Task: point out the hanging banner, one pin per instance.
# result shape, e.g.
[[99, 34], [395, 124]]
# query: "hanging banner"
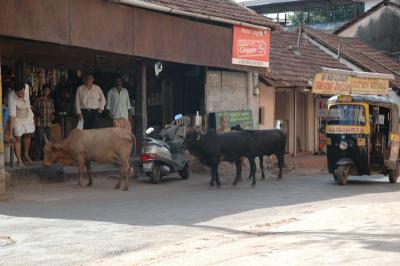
[[333, 82], [250, 46], [321, 107]]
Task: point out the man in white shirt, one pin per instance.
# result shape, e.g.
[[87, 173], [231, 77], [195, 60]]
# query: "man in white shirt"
[[21, 120], [89, 103], [119, 106]]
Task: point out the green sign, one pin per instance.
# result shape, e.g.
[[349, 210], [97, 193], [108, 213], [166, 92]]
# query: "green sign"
[[225, 120]]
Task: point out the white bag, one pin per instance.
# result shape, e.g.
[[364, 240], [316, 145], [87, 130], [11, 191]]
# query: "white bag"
[[80, 124]]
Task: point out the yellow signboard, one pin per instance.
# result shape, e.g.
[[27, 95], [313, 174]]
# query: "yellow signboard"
[[339, 129], [331, 83], [369, 86]]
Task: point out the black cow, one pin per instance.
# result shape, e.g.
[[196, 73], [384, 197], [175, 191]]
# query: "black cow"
[[268, 142], [212, 148]]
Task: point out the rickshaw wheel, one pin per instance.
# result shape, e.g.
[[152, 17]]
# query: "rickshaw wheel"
[[393, 175], [342, 173]]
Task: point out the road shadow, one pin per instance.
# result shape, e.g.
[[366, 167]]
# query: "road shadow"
[[176, 201]]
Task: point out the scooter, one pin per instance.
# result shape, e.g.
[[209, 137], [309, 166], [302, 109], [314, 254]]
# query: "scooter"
[[164, 155]]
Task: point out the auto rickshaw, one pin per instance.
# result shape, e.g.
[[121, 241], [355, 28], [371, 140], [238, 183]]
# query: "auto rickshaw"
[[362, 137]]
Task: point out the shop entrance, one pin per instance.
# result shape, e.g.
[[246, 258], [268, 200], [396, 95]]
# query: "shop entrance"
[[179, 88]]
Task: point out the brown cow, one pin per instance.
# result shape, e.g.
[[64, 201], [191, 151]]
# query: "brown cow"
[[106, 145]]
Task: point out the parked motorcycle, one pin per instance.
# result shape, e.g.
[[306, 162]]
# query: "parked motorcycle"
[[164, 154]]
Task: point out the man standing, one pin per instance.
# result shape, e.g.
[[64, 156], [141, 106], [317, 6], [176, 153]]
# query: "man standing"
[[89, 103], [119, 106], [21, 120], [44, 112]]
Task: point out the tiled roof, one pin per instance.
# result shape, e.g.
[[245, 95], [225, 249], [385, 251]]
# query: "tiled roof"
[[360, 54], [227, 9], [289, 68], [393, 3]]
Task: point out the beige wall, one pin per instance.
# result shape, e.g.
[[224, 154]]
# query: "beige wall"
[[284, 110], [267, 106], [305, 119]]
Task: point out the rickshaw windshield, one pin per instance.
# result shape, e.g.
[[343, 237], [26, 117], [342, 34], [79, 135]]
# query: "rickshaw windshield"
[[347, 114]]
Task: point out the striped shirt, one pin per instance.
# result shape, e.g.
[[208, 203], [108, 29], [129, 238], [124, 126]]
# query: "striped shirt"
[[44, 110]]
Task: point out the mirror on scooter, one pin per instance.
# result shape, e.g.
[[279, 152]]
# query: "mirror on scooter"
[[149, 130], [178, 116]]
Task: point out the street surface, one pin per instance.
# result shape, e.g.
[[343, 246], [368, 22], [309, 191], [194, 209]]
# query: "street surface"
[[301, 220]]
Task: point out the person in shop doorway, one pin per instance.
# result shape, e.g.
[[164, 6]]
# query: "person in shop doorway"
[[63, 100], [22, 124], [119, 106], [89, 103], [44, 113]]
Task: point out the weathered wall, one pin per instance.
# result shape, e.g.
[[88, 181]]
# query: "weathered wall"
[[111, 27], [229, 91], [380, 30], [267, 105], [284, 110]]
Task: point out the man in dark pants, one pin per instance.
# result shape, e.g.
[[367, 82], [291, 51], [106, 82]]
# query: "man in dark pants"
[[89, 103], [44, 112]]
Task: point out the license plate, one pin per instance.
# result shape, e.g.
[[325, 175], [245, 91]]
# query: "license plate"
[[148, 167]]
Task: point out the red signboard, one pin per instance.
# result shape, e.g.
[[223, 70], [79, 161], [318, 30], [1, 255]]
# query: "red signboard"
[[250, 46]]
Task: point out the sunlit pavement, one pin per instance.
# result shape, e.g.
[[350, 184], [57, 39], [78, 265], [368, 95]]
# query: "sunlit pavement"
[[301, 220]]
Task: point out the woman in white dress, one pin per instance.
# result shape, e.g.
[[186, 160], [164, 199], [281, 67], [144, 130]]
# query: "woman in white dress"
[[21, 120]]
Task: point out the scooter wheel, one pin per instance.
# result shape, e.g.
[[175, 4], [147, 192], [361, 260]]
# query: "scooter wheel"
[[155, 175], [184, 173]]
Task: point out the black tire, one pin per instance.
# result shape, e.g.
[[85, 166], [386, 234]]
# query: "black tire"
[[184, 173], [342, 174], [393, 175], [155, 175]]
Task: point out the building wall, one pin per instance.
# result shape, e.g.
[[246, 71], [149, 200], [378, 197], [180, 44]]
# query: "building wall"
[[231, 91], [380, 30], [267, 106], [106, 26], [368, 4], [305, 119], [284, 110]]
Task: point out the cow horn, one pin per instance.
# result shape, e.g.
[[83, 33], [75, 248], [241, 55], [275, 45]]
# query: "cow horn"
[[46, 140]]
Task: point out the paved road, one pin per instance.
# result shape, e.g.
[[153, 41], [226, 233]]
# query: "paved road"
[[301, 220]]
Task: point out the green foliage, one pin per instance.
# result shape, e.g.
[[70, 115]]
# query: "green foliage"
[[325, 15]]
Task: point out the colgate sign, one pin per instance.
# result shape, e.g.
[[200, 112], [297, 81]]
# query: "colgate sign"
[[250, 46]]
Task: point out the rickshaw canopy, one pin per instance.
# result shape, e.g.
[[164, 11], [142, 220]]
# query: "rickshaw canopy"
[[381, 101]]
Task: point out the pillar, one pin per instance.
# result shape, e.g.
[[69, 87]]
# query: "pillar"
[[2, 170]]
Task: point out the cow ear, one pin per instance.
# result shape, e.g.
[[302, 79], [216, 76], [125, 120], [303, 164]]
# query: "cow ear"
[[57, 146]]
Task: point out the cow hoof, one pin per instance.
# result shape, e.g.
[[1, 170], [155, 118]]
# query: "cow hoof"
[[117, 187], [124, 189], [253, 185], [89, 184]]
